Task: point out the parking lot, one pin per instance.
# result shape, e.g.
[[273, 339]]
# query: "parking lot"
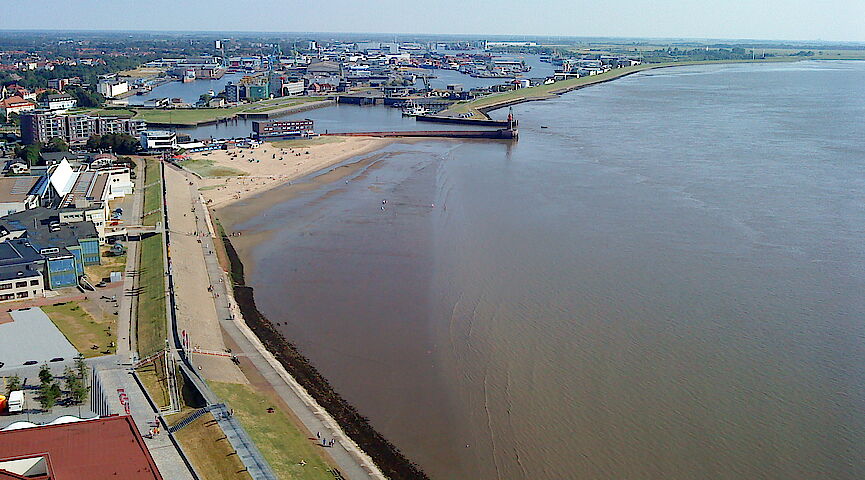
[[31, 339]]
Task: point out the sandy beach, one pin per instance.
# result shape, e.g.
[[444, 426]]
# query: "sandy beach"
[[229, 176]]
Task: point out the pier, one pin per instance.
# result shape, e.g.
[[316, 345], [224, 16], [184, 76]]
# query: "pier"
[[500, 134]]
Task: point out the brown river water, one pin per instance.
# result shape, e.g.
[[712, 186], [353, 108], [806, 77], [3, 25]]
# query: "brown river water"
[[666, 282]]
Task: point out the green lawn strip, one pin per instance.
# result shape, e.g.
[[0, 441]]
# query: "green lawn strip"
[[544, 91], [193, 116], [185, 116], [152, 192], [205, 445], [152, 376], [280, 440], [81, 329], [104, 112], [151, 325], [207, 168]]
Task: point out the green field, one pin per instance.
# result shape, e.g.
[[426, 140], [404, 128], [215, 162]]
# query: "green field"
[[185, 116], [105, 112], [281, 442], [152, 192], [151, 325], [205, 167], [193, 116], [82, 330], [208, 450]]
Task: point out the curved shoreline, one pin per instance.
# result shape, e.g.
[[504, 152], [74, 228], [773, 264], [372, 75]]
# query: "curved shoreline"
[[386, 456], [392, 462], [553, 92]]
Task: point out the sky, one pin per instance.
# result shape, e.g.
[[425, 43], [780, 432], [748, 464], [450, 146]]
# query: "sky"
[[827, 20]]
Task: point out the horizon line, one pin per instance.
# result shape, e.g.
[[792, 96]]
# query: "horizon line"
[[525, 36]]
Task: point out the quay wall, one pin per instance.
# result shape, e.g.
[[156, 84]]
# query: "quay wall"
[[494, 134]]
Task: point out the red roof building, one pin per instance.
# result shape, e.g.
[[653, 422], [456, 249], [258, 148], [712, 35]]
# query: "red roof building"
[[103, 448]]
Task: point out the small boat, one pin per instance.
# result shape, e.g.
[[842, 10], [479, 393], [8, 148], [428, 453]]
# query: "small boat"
[[544, 126], [413, 109]]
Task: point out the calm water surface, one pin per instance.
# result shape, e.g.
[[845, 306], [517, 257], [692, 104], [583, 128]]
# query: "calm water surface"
[[664, 283]]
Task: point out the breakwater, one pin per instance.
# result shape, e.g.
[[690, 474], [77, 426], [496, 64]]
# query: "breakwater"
[[462, 121], [386, 456], [501, 134]]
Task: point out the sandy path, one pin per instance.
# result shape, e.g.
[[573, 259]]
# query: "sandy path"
[[196, 312], [268, 166]]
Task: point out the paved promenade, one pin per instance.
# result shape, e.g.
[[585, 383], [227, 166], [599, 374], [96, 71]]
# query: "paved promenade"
[[352, 462]]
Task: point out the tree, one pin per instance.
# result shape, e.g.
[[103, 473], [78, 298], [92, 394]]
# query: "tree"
[[45, 376], [56, 144], [13, 383], [48, 395], [205, 99], [45, 94], [85, 98], [80, 366], [118, 143], [75, 385], [14, 119], [29, 153]]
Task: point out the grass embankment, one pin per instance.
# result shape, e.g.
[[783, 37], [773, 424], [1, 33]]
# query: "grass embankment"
[[185, 116], [151, 324], [152, 376], [152, 192], [194, 116], [277, 103], [206, 167], [208, 449], [476, 107], [82, 330], [105, 112], [281, 442]]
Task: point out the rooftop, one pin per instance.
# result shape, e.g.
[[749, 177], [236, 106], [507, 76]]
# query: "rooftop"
[[109, 447], [37, 222], [16, 189], [17, 252]]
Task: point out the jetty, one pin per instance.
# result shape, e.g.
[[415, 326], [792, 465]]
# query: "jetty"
[[509, 132], [500, 134]]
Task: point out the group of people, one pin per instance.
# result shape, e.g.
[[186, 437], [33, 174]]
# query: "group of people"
[[324, 442]]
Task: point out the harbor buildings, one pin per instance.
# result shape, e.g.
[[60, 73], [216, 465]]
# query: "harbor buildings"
[[152, 140], [112, 87], [282, 128]]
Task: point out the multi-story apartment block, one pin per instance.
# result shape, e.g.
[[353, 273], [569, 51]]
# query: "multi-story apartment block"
[[74, 129]]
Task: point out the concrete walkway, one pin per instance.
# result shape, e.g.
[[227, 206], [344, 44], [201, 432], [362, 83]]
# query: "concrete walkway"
[[198, 312], [168, 458], [351, 461]]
